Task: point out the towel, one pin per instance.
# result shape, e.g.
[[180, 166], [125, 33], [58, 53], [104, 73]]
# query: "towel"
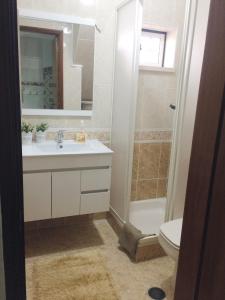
[[129, 238]]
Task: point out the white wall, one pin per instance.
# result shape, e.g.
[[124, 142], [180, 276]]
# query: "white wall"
[[84, 55], [185, 144], [157, 90], [164, 13]]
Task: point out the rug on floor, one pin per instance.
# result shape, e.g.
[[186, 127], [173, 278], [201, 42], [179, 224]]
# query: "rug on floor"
[[73, 277]]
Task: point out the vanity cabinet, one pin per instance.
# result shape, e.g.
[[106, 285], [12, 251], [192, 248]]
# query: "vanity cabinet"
[[66, 193], [60, 184], [37, 196]]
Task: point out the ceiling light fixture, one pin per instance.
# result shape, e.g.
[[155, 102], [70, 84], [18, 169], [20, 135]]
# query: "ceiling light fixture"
[[87, 2]]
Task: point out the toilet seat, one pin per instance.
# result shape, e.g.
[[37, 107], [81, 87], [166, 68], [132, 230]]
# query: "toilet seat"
[[169, 242], [172, 232], [169, 237]]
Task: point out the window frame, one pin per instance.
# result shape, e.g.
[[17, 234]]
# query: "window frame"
[[164, 33]]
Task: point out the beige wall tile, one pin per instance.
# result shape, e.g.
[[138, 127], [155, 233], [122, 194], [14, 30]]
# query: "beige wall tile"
[[150, 170], [149, 161], [134, 190], [135, 161], [164, 160], [153, 135], [162, 188], [71, 134], [146, 189]]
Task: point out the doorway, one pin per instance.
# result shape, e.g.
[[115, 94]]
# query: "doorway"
[[11, 170]]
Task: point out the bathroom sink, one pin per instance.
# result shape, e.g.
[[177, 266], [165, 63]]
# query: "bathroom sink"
[[68, 147], [64, 147]]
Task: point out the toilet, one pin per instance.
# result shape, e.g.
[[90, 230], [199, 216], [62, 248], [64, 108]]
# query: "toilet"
[[169, 239]]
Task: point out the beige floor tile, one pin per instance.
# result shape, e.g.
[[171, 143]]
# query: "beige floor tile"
[[130, 279]]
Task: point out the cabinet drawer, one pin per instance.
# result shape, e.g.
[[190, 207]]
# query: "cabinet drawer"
[[95, 180], [94, 203]]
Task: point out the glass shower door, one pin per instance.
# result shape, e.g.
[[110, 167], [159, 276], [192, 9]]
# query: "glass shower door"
[[129, 22]]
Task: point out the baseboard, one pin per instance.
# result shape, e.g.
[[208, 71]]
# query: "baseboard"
[[117, 218]]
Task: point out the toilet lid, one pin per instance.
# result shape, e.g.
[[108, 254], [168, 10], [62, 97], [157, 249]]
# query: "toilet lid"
[[172, 231]]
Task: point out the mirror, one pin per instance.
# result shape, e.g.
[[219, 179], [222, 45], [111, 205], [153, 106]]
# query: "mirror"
[[57, 65]]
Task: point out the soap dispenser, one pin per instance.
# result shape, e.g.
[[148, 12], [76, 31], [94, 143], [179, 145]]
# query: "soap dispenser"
[[81, 136]]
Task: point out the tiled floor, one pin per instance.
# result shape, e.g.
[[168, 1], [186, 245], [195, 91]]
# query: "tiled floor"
[[130, 279]]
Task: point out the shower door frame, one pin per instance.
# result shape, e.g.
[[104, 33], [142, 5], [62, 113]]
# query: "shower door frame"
[[11, 179], [183, 76], [201, 267], [193, 28], [127, 193]]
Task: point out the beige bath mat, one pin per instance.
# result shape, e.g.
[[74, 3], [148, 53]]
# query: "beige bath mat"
[[75, 277]]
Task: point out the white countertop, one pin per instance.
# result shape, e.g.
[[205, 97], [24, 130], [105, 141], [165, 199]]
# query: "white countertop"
[[70, 147]]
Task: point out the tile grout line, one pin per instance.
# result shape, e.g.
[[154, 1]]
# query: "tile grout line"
[[138, 166]]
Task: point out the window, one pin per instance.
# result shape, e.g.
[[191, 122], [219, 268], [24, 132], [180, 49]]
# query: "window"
[[153, 45]]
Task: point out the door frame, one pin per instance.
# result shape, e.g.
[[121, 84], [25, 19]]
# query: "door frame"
[[194, 29], [11, 184], [201, 259], [123, 216], [201, 218]]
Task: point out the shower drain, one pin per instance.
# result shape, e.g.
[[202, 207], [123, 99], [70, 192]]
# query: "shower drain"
[[156, 293]]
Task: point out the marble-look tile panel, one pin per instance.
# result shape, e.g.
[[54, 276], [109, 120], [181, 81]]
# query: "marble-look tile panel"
[[134, 190], [146, 189], [149, 161], [162, 188], [135, 161], [71, 134], [150, 170], [153, 135], [164, 160]]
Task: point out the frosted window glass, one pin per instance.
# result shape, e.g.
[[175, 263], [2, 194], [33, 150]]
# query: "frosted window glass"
[[152, 48]]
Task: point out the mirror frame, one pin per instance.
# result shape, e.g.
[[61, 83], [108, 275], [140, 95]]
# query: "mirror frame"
[[47, 16]]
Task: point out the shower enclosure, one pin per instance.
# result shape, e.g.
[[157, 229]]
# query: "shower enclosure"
[[127, 43], [143, 124]]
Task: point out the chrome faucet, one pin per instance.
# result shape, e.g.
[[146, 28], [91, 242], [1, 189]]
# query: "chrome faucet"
[[59, 138]]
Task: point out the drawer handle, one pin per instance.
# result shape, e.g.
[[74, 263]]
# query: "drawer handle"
[[94, 192]]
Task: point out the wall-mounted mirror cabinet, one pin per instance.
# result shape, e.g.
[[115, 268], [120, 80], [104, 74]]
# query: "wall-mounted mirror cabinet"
[[56, 65]]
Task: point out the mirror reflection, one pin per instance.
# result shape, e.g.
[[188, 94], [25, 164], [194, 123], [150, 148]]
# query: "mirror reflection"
[[41, 68], [57, 65]]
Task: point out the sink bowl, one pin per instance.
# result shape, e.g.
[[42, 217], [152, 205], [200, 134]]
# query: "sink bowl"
[[64, 147], [68, 147]]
